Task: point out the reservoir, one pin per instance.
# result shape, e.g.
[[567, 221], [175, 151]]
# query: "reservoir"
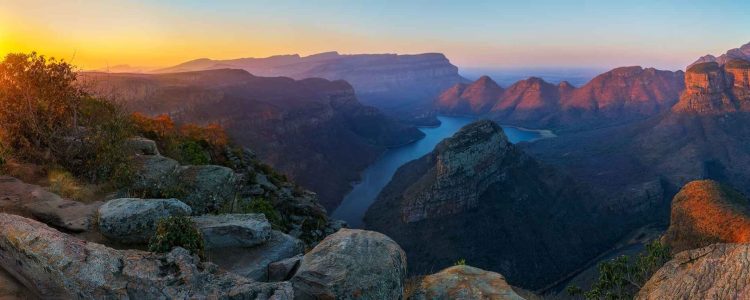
[[377, 175]]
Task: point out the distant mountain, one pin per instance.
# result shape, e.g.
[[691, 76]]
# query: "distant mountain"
[[742, 53], [480, 198], [618, 95], [401, 84], [313, 129]]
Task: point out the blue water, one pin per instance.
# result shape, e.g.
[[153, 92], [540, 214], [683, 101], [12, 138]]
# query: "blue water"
[[352, 209]]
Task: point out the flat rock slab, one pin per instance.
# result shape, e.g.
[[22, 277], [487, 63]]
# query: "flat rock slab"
[[253, 262], [233, 230], [54, 265], [34, 201], [133, 220], [465, 283]]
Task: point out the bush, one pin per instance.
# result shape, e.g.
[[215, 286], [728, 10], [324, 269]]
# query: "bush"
[[193, 153], [177, 232], [106, 157], [460, 262], [621, 279]]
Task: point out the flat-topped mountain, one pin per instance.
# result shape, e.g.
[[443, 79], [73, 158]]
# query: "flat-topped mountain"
[[385, 80], [621, 94], [716, 89], [313, 129], [478, 197]]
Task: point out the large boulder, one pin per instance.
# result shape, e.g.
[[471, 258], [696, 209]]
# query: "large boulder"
[[253, 262], [352, 264], [464, 283], [55, 265], [207, 188], [34, 201], [233, 230], [705, 212], [154, 175], [132, 220], [142, 146], [11, 289], [719, 271]]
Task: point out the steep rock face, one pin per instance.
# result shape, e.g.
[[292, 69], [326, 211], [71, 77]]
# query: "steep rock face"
[[709, 90], [303, 128], [705, 212], [54, 265], [383, 80], [718, 271], [465, 283], [527, 99], [480, 198], [352, 264]]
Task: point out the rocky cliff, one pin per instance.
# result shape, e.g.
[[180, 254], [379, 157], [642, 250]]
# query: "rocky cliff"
[[718, 271], [716, 89], [622, 94], [478, 197], [388, 81], [742, 53], [705, 212], [304, 128]]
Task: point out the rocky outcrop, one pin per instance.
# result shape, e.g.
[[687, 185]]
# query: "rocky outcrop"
[[383, 80], [233, 230], [54, 265], [705, 212], [464, 283], [253, 262], [718, 271], [303, 128], [352, 264], [478, 197], [206, 188], [131, 220], [475, 98], [709, 91], [34, 201], [284, 269]]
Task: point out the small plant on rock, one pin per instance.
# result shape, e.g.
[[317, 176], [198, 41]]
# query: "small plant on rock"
[[179, 231], [460, 262]]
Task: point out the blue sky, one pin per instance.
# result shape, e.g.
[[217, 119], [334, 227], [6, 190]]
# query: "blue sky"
[[497, 34]]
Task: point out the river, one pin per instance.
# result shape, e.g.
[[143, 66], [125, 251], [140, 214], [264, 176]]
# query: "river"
[[352, 209]]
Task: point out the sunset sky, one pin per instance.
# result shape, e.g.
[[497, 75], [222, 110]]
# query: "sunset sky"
[[495, 34]]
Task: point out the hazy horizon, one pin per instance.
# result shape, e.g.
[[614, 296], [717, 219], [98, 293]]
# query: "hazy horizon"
[[479, 34]]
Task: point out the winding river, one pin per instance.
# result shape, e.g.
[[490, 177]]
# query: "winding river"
[[352, 209]]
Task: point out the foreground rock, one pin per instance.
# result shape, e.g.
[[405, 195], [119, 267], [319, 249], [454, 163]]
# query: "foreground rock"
[[55, 265], [253, 262], [464, 283], [207, 188], [34, 201], [705, 212], [352, 264], [233, 230], [131, 220], [11, 289], [718, 271]]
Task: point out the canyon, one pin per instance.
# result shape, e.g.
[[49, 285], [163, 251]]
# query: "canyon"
[[304, 128]]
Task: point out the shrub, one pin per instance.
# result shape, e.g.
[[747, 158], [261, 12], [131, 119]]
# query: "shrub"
[[106, 157], [460, 262], [177, 231], [620, 278], [193, 154], [65, 184], [260, 206]]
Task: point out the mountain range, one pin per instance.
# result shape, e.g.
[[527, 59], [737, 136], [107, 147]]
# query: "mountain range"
[[402, 85]]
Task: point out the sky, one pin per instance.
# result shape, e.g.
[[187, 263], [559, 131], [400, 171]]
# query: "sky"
[[665, 34]]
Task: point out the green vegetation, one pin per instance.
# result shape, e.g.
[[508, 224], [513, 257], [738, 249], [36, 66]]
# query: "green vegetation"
[[274, 177], [704, 67], [189, 144], [177, 232], [193, 153], [460, 262], [622, 279], [49, 120], [263, 206]]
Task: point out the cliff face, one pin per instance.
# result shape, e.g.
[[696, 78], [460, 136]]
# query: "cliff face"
[[742, 53], [705, 212], [304, 128], [384, 80], [619, 95], [715, 89], [478, 197]]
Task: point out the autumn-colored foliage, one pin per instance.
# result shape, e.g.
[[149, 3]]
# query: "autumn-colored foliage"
[[187, 143]]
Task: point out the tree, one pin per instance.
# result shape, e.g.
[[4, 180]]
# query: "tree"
[[39, 104], [620, 278]]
